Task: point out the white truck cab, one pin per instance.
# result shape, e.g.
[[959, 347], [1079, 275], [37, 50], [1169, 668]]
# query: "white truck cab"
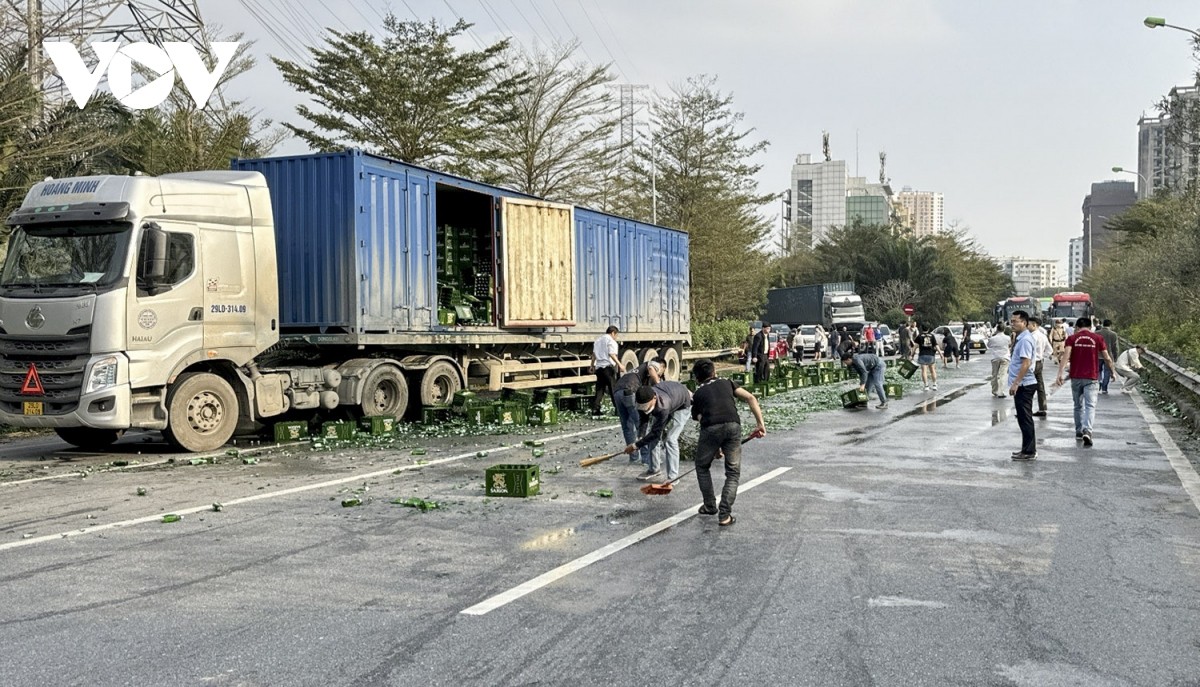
[[134, 301]]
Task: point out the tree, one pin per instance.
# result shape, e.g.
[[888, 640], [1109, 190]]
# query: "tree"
[[889, 296], [701, 161], [179, 137], [412, 96], [557, 145]]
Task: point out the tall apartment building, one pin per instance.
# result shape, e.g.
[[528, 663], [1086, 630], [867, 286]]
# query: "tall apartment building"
[[1107, 200], [1164, 163], [925, 210], [1074, 261], [1031, 274], [818, 198]]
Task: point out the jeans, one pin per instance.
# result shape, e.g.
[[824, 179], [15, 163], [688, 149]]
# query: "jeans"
[[1024, 403], [1083, 393], [606, 379], [631, 423], [1106, 376], [999, 375], [668, 444], [727, 438], [1041, 386], [875, 382]]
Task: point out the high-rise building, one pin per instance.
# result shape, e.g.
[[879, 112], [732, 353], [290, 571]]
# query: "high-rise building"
[[1030, 274], [868, 203], [818, 199], [1169, 159], [925, 210], [1107, 200], [1074, 261]]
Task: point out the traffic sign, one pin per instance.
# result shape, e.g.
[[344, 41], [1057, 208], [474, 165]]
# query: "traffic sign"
[[909, 309]]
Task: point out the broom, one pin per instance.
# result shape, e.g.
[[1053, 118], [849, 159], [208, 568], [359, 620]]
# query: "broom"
[[667, 487]]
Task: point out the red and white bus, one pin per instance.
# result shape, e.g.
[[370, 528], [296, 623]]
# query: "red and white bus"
[[1071, 305]]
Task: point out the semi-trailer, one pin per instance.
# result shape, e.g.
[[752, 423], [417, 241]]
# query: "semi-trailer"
[[204, 303]]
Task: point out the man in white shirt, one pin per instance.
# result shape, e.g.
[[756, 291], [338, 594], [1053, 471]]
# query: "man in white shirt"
[[606, 364], [1041, 350], [998, 346], [1127, 362]]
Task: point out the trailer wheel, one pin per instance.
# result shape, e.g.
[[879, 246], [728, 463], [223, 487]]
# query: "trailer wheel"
[[439, 383], [629, 362], [89, 437], [648, 354], [202, 412], [671, 357], [385, 392]]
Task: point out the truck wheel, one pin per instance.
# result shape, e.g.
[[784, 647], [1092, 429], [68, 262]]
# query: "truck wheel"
[[385, 392], [89, 437], [629, 362], [439, 383], [671, 357], [648, 354], [202, 412]]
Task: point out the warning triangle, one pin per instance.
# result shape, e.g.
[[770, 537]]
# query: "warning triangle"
[[33, 383]]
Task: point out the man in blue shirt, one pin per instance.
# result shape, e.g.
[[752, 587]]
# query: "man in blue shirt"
[[1022, 384]]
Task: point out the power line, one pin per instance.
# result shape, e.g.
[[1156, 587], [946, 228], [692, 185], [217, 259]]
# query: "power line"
[[573, 34], [469, 31], [533, 3], [282, 42], [533, 31], [617, 38], [602, 41]]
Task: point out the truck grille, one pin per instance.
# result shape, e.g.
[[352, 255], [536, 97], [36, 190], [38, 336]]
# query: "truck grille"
[[60, 362]]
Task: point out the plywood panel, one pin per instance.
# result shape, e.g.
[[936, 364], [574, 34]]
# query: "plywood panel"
[[538, 263]]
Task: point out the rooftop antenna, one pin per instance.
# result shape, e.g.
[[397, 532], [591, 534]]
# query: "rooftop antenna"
[[825, 145]]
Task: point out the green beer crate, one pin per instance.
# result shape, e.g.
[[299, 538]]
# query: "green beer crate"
[[854, 399], [893, 390], [908, 368], [584, 389], [739, 377], [576, 403], [290, 431], [509, 413], [550, 396], [481, 415], [522, 396], [517, 480], [464, 399], [338, 430], [432, 415], [543, 414], [379, 424], [830, 376]]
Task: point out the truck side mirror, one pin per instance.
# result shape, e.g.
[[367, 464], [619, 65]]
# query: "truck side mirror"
[[152, 258]]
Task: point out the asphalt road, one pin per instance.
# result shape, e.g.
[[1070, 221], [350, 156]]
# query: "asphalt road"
[[897, 547]]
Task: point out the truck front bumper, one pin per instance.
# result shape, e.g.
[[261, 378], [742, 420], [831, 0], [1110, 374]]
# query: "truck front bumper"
[[103, 409]]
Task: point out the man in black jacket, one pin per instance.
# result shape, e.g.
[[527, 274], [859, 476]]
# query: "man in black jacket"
[[714, 406], [760, 352]]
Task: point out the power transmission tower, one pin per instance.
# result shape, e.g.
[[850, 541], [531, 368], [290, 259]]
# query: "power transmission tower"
[[629, 102], [81, 21]]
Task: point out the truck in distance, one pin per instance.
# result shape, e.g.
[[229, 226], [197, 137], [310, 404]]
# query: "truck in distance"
[[830, 305]]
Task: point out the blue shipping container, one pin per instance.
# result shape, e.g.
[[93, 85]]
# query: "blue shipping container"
[[357, 242]]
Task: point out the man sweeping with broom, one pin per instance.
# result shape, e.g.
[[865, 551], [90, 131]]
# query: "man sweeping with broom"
[[714, 406]]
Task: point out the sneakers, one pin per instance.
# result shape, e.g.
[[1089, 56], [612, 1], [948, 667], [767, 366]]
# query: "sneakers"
[[926, 388], [882, 406], [1087, 438], [1078, 435], [1018, 455], [651, 476], [1040, 413], [935, 387], [707, 510]]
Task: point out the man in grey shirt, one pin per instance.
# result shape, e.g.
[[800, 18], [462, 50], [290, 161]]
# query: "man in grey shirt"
[[1110, 340]]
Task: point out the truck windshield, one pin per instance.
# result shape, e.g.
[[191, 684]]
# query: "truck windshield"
[[82, 257]]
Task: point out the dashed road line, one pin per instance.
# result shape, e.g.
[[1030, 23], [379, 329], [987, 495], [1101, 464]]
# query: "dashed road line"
[[285, 492], [600, 554]]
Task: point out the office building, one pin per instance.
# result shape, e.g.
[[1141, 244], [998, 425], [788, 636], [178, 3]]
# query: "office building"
[[818, 199], [1074, 261], [1107, 200], [924, 208], [868, 203], [1030, 274]]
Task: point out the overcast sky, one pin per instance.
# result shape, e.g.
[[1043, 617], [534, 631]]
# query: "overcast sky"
[[1011, 109]]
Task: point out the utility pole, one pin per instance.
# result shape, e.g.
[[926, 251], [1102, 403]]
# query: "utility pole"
[[33, 25]]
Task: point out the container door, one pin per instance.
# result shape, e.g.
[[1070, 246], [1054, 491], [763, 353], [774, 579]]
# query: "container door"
[[538, 263]]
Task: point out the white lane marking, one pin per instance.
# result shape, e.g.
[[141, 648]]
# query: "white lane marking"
[[600, 554], [901, 602], [85, 473], [1183, 468], [282, 492]]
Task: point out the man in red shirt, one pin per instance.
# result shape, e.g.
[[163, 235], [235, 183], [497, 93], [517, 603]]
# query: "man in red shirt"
[[1083, 351]]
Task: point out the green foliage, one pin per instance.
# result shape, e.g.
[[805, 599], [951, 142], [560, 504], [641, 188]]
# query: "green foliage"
[[412, 96], [721, 334]]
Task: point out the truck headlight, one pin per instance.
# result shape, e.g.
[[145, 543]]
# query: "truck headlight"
[[103, 375]]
